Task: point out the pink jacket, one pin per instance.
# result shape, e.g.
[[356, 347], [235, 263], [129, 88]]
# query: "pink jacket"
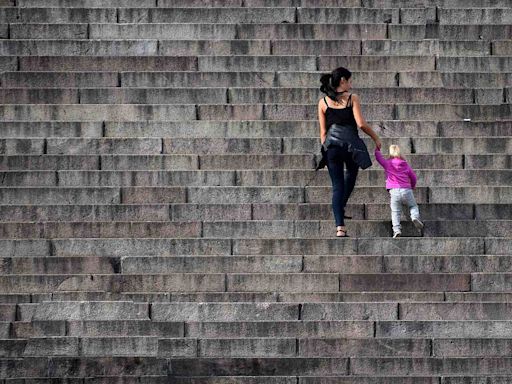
[[398, 173]]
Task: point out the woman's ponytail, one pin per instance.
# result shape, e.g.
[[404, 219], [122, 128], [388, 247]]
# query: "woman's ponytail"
[[327, 87]]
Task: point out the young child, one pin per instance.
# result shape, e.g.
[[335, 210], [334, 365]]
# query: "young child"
[[400, 181]]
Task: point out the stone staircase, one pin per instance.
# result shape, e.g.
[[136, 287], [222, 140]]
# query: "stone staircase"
[[161, 221]]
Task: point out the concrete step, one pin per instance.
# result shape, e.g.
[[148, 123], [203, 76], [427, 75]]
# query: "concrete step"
[[150, 47], [93, 212], [350, 328], [89, 3], [164, 112], [58, 15], [146, 229], [95, 112], [484, 15], [244, 129], [258, 229], [443, 328], [253, 246], [288, 246], [486, 32], [291, 128], [103, 63], [428, 47], [246, 95], [253, 347], [267, 3], [241, 78], [56, 196], [421, 145], [373, 367], [237, 145], [33, 367], [185, 282], [100, 310], [223, 31], [450, 79], [248, 177], [484, 65], [259, 63], [84, 47], [155, 296], [249, 282], [45, 129], [360, 264], [240, 212], [93, 328], [238, 195]]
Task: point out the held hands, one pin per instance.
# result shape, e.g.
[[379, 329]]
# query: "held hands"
[[378, 144]]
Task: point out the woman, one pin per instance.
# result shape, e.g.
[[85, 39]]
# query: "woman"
[[339, 114]]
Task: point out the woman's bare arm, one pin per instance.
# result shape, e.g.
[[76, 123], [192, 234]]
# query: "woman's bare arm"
[[321, 120], [361, 122]]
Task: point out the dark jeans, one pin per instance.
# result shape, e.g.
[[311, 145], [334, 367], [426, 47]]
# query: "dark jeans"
[[343, 182]]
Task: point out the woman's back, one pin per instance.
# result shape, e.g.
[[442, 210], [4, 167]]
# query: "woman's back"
[[341, 116]]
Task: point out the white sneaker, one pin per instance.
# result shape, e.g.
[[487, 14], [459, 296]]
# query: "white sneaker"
[[396, 235], [417, 223]]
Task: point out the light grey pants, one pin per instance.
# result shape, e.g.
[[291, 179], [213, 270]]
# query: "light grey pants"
[[401, 196]]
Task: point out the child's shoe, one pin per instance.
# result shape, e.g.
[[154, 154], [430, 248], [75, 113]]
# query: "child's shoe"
[[396, 235], [417, 223]]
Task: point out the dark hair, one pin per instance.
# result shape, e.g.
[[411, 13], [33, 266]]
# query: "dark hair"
[[331, 81]]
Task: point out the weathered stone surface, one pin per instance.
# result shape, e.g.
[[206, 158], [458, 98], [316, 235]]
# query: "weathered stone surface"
[[107, 63], [90, 311], [443, 329], [94, 328], [324, 347], [224, 311], [268, 347], [95, 112], [120, 346], [470, 347], [404, 282], [207, 15], [296, 282], [260, 366], [446, 264], [58, 265], [429, 366], [155, 31], [257, 63], [470, 16], [79, 47], [44, 129], [454, 311], [127, 247], [204, 264], [305, 328], [48, 31], [376, 63], [58, 15], [52, 346], [69, 212], [349, 311], [293, 246], [422, 246]]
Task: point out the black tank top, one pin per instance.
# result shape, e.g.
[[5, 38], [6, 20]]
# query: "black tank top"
[[342, 116]]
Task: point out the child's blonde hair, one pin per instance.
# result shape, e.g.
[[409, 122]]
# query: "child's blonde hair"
[[394, 151]]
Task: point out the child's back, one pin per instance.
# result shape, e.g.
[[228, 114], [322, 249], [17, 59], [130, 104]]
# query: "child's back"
[[398, 172], [400, 181]]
